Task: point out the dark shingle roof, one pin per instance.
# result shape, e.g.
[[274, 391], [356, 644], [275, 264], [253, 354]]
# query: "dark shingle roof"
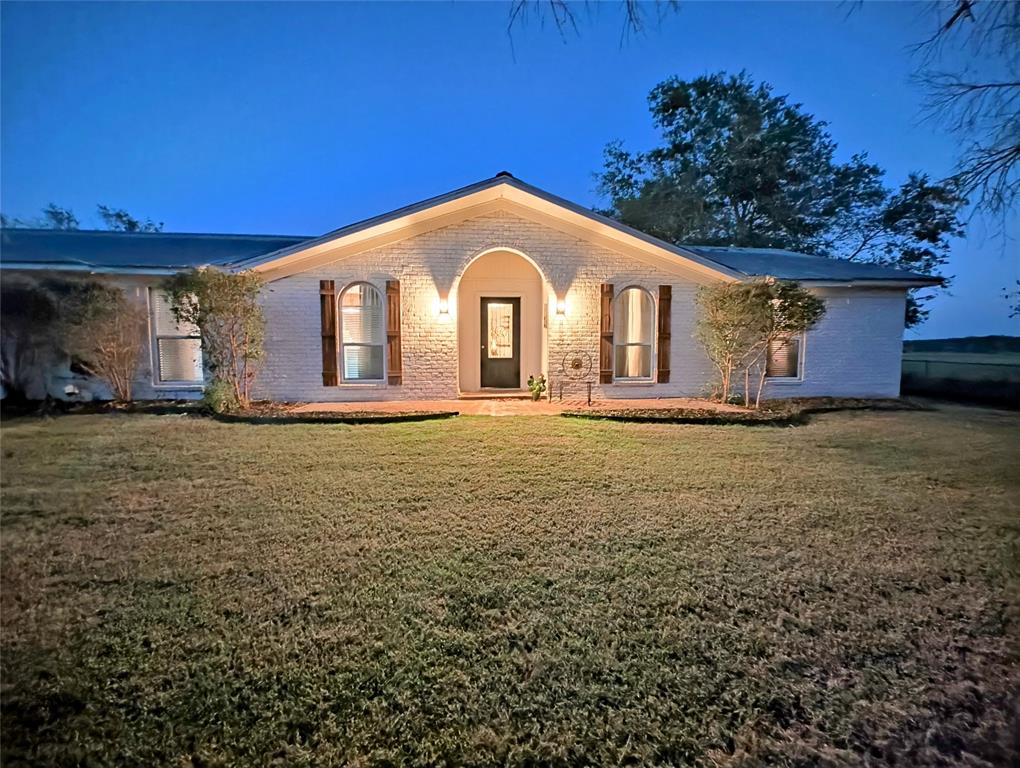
[[131, 251], [788, 265], [737, 262], [168, 252]]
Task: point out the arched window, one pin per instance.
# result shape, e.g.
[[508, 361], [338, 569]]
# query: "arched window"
[[633, 321], [362, 333]]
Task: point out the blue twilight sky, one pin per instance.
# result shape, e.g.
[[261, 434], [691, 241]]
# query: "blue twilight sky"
[[296, 118]]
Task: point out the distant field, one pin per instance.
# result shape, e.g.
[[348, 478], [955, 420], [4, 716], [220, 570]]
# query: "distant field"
[[964, 366], [971, 369], [981, 344]]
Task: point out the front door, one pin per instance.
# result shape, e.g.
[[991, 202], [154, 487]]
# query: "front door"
[[501, 343]]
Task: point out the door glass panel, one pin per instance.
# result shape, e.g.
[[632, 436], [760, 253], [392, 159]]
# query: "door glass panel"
[[501, 331]]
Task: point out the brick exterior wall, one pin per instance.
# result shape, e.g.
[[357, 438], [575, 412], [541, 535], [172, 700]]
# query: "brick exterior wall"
[[854, 351]]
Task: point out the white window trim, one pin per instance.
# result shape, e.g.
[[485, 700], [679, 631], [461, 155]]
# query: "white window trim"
[[637, 380], [154, 337], [802, 353], [342, 377]]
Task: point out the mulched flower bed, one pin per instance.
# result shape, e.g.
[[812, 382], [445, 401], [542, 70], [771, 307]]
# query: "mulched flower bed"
[[772, 413], [332, 417], [268, 412], [53, 407], [260, 412]]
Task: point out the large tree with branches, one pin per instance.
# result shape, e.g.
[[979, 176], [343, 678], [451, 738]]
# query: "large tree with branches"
[[969, 68], [739, 165]]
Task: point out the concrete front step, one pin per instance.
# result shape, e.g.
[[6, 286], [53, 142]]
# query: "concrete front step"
[[508, 395]]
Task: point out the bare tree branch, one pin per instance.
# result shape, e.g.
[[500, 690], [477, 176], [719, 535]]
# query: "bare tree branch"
[[565, 18], [980, 103]]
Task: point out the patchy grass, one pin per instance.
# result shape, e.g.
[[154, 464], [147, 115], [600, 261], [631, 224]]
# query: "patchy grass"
[[523, 591]]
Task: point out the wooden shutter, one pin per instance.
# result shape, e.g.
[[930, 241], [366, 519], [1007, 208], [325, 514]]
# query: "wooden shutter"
[[606, 337], [393, 358], [665, 332], [327, 312]]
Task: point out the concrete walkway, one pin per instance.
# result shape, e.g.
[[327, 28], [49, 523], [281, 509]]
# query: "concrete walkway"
[[508, 406]]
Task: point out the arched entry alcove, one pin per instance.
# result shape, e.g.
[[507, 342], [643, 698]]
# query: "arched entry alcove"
[[500, 322]]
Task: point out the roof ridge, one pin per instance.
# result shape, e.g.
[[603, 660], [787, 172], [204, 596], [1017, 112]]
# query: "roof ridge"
[[745, 248]]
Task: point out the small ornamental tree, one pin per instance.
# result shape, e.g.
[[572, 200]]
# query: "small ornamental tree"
[[788, 309], [740, 321], [729, 329], [225, 308], [104, 334]]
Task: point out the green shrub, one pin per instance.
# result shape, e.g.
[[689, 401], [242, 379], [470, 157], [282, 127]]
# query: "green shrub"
[[225, 308], [219, 397]]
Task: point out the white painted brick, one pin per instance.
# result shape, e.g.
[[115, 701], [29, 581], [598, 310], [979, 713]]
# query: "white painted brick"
[[855, 350]]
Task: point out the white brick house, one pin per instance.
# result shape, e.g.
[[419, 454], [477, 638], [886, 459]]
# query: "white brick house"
[[473, 291]]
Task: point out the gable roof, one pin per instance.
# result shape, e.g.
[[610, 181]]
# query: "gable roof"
[[727, 262], [502, 183], [129, 252], [278, 255]]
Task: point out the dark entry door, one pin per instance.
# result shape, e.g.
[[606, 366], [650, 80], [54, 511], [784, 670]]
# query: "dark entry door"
[[501, 343]]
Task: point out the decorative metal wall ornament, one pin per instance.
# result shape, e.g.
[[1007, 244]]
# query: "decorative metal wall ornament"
[[576, 366]]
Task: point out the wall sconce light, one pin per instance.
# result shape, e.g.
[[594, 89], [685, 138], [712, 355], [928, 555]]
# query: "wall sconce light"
[[561, 308], [444, 309]]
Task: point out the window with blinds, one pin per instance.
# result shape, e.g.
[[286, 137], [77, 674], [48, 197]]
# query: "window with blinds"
[[362, 333], [177, 347], [784, 358], [634, 323]]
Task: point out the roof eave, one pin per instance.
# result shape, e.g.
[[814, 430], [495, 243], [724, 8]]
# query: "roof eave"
[[874, 282], [63, 266], [357, 226]]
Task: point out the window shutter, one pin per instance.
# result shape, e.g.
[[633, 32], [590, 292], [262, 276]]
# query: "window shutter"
[[606, 338], [665, 333], [327, 313], [393, 356]]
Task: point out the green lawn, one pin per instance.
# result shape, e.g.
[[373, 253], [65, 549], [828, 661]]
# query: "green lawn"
[[523, 591]]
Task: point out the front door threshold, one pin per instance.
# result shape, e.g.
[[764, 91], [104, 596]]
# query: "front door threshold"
[[497, 394]]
